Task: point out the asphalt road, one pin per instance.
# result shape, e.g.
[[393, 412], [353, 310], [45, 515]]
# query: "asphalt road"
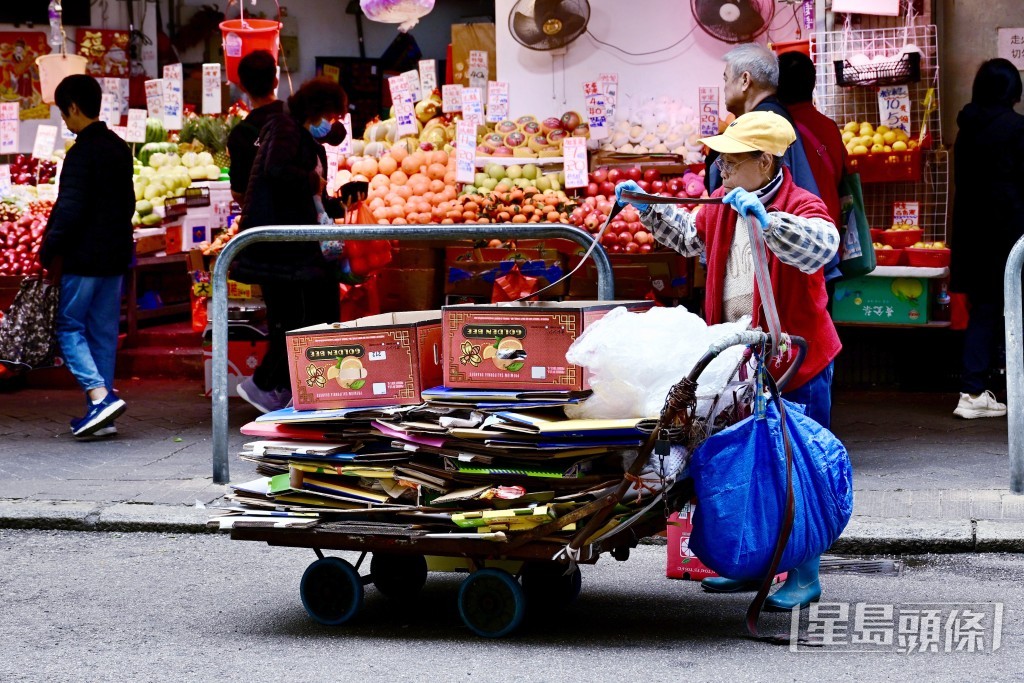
[[152, 607]]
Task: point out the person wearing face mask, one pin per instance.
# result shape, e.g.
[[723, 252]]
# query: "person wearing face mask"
[[286, 187], [801, 239]]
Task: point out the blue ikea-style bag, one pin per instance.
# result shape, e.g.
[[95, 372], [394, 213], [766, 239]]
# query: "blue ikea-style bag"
[[740, 482]]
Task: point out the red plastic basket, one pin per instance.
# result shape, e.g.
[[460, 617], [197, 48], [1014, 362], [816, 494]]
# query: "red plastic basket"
[[927, 258], [876, 234], [887, 167], [888, 257], [901, 239]]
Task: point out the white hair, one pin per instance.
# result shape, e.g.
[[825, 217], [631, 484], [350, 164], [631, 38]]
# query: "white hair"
[[761, 63]]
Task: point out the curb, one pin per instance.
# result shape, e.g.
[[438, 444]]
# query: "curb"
[[88, 516]]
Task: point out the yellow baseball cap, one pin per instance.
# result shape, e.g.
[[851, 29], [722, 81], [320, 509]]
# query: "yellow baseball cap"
[[756, 131]]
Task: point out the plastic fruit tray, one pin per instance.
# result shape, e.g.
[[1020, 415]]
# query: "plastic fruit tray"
[[901, 239], [927, 258], [887, 167], [876, 234], [888, 257], [905, 68]]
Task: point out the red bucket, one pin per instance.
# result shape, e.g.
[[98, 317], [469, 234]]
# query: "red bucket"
[[243, 36]]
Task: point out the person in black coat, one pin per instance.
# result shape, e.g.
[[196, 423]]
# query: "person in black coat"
[[88, 239], [286, 186], [988, 219]]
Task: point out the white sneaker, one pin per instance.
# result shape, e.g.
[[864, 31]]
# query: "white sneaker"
[[109, 430], [982, 405]]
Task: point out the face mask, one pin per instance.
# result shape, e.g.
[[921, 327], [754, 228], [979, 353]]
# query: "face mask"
[[321, 129]]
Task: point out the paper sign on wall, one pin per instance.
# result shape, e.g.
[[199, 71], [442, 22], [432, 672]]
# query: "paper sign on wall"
[[211, 89], [497, 101], [136, 125], [405, 112], [10, 128], [478, 69], [428, 77], [465, 151], [597, 113], [173, 94], [894, 107], [708, 107], [155, 98], [412, 82], [451, 98], [46, 138], [473, 105], [906, 213], [574, 150], [1010, 45], [608, 83]]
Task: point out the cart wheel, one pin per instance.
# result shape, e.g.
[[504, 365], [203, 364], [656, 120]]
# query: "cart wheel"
[[547, 585], [491, 603], [331, 591], [398, 576]]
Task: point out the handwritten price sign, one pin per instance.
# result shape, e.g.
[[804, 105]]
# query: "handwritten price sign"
[[906, 213], [465, 151], [473, 106], [497, 101], [155, 98], [597, 116], [608, 83], [479, 71], [451, 98], [428, 77], [708, 99], [894, 107], [211, 89], [10, 130], [574, 151], [405, 112]]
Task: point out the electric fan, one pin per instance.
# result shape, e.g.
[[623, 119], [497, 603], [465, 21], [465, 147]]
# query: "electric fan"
[[548, 24], [733, 21]]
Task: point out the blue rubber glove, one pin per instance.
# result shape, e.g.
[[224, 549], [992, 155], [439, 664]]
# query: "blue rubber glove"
[[747, 204], [629, 185]]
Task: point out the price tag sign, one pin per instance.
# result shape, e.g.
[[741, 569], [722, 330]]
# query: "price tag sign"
[[118, 89], [46, 138], [10, 128], [906, 213], [136, 125], [211, 89], [65, 132], [451, 98], [155, 98], [412, 84], [608, 83], [110, 112], [405, 112], [345, 148], [497, 101], [574, 151], [597, 117], [5, 178], [120, 131], [894, 107], [174, 102], [332, 72], [428, 77], [332, 162], [479, 72], [708, 108], [473, 106], [465, 151]]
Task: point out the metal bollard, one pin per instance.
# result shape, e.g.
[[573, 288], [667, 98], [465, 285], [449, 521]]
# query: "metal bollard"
[[298, 233], [1014, 364]]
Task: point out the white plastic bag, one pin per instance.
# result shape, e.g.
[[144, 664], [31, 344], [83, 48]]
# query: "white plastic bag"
[[635, 358]]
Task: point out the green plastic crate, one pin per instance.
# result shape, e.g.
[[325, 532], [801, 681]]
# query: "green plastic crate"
[[881, 300]]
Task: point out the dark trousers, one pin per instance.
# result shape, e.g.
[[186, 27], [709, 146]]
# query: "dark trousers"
[[981, 341], [816, 395], [291, 305]]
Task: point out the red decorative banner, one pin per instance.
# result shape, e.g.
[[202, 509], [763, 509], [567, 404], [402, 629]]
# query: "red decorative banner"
[[19, 75], [107, 52]]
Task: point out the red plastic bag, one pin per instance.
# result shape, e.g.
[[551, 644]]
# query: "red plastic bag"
[[513, 285], [359, 301], [365, 256]]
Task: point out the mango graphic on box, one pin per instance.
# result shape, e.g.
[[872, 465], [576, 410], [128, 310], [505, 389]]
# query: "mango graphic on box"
[[507, 354], [907, 289], [348, 372]]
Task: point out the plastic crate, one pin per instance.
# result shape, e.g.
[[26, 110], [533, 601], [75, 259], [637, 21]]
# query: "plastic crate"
[[904, 69], [889, 257], [927, 258], [887, 167], [197, 196], [901, 239], [876, 234]]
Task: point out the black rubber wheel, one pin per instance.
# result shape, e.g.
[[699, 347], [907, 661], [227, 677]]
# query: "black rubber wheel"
[[491, 603], [398, 576], [331, 591], [547, 586]]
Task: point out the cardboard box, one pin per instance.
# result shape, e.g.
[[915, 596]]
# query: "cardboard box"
[[881, 300], [246, 346], [380, 360], [150, 240], [472, 271], [681, 562], [666, 273], [188, 234], [519, 346]]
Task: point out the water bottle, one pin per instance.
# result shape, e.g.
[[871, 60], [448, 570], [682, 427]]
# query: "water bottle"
[[56, 40], [940, 310]]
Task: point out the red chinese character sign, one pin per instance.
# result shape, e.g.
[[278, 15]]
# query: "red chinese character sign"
[[107, 52], [19, 75]]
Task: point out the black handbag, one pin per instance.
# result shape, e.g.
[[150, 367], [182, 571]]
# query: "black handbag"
[[28, 330]]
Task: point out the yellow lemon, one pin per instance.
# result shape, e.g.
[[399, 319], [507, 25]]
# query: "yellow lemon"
[[859, 149], [899, 146]]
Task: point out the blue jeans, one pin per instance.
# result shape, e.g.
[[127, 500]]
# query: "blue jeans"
[[816, 395], [88, 319]]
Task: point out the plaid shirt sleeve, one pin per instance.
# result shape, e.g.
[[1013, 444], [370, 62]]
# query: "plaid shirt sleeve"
[[805, 243], [674, 227]]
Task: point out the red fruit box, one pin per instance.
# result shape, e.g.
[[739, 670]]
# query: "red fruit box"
[[519, 345], [887, 167], [888, 257], [876, 234], [901, 239], [927, 258], [379, 360]]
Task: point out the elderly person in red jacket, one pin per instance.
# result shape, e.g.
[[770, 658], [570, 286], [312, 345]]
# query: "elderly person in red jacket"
[[801, 238]]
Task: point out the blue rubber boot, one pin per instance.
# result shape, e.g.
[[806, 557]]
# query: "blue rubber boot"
[[802, 587], [720, 584]]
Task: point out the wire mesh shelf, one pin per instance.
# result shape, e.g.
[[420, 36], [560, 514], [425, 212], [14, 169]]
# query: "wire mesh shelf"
[[931, 194], [905, 69]]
